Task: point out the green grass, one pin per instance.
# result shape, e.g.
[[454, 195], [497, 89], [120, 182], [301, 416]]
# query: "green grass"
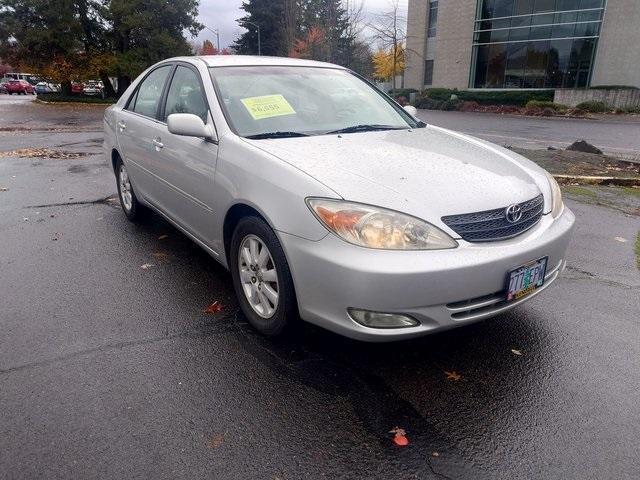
[[581, 191], [638, 250], [631, 191], [57, 98]]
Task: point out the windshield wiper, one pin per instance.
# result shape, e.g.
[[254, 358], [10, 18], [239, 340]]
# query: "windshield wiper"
[[366, 128], [260, 136]]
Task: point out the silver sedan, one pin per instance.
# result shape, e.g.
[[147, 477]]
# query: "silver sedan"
[[329, 202]]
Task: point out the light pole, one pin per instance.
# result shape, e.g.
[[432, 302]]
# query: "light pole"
[[258, 27], [217, 33]]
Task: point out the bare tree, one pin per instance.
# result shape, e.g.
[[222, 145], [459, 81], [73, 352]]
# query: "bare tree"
[[388, 30]]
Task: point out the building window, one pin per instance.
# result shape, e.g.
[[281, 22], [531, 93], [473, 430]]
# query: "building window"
[[433, 18], [428, 72], [535, 43]]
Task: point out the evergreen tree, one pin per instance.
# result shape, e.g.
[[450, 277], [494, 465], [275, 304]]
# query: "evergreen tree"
[[269, 15], [144, 32]]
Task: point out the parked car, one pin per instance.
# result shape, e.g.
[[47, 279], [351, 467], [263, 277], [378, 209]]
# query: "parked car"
[[44, 87], [20, 87], [93, 87], [77, 87], [365, 221]]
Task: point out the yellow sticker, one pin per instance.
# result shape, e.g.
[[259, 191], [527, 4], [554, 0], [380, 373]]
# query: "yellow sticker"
[[268, 106]]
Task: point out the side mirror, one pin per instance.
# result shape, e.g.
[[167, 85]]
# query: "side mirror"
[[411, 110], [189, 125]]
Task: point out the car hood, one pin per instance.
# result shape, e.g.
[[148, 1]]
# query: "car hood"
[[427, 172]]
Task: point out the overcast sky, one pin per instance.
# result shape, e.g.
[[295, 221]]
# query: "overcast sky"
[[222, 15]]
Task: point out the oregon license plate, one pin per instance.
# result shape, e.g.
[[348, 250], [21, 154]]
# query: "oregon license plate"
[[525, 279]]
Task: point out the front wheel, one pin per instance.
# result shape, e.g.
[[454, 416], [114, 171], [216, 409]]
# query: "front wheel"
[[261, 277]]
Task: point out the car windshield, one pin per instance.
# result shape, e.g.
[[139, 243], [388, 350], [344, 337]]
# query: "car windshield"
[[286, 101]]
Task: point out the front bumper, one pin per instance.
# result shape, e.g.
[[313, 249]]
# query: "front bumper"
[[441, 289]]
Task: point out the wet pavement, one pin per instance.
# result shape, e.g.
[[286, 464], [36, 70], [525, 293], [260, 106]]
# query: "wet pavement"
[[614, 134], [109, 370]]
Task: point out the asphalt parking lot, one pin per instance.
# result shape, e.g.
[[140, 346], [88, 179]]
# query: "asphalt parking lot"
[[111, 370]]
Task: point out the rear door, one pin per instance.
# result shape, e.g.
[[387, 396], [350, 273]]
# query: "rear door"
[[138, 128], [188, 164]]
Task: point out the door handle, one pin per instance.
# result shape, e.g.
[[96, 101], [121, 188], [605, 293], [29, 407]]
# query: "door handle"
[[157, 143], [121, 126]]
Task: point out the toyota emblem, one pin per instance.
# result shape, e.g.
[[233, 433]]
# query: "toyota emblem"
[[513, 213]]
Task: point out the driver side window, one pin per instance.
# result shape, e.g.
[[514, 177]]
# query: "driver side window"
[[185, 95]]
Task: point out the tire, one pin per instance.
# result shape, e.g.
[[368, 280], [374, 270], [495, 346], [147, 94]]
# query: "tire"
[[284, 316], [131, 207]]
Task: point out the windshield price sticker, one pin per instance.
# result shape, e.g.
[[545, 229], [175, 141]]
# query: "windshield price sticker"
[[268, 106]]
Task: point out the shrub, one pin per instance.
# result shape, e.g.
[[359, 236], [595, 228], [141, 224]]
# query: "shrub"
[[593, 107], [451, 105], [631, 109], [544, 104], [402, 92], [57, 97], [483, 97], [428, 103], [614, 87]]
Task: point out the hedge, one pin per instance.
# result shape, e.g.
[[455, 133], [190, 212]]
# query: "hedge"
[[513, 97], [593, 107], [58, 97]]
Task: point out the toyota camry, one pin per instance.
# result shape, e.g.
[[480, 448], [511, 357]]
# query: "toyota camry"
[[329, 202]]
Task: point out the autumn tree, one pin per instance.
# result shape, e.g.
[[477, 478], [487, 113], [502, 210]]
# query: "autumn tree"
[[390, 34], [312, 46], [208, 48], [36, 33], [388, 63]]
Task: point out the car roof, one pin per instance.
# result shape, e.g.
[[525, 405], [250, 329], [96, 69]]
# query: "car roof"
[[251, 60]]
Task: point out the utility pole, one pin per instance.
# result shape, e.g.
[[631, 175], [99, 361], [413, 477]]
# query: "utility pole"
[[258, 28], [217, 34]]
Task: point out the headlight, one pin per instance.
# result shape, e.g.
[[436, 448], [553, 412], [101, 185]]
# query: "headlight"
[[556, 197], [376, 227]]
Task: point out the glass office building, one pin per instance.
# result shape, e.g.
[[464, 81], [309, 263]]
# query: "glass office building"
[[535, 43]]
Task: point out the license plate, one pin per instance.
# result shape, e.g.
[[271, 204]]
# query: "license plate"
[[525, 279]]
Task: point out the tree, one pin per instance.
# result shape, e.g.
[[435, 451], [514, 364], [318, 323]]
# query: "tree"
[[391, 37], [330, 17], [269, 15], [143, 32], [208, 48], [312, 46], [38, 33], [387, 63]]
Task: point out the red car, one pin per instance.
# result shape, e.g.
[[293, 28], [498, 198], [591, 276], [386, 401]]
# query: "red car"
[[20, 86], [77, 87]]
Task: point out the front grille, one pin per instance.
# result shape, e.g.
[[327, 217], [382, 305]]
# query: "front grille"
[[492, 225]]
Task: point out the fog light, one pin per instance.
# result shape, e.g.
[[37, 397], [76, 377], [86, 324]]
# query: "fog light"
[[382, 320]]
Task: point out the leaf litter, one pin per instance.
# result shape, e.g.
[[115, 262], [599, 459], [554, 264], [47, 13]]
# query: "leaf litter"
[[399, 437]]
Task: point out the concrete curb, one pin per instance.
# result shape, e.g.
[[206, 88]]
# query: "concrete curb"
[[592, 180]]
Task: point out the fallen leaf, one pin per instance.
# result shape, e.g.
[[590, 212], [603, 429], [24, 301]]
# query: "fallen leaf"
[[620, 239], [162, 237], [25, 219], [516, 352], [452, 375], [160, 254], [215, 307], [216, 441], [4, 189], [147, 266], [52, 216], [399, 437], [435, 454]]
